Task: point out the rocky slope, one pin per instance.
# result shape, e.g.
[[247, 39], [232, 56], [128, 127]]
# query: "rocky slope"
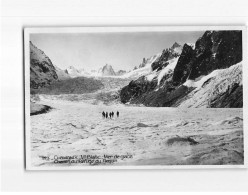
[[42, 70], [172, 80], [150, 87], [222, 88], [62, 74]]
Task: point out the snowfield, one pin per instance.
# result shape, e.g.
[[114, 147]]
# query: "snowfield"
[[211, 85], [140, 136]]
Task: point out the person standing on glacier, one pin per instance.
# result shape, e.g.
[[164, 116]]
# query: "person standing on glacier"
[[103, 114]]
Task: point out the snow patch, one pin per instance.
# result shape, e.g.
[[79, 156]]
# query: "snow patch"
[[150, 77], [191, 45], [168, 69], [190, 83], [214, 55]]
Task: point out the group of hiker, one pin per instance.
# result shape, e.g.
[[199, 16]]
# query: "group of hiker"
[[110, 114]]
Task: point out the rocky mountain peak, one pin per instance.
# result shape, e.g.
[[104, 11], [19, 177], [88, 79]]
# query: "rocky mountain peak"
[[166, 55], [42, 71], [175, 45], [214, 50], [213, 63], [107, 70]]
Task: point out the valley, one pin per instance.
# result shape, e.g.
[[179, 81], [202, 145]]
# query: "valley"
[[183, 106], [152, 136]]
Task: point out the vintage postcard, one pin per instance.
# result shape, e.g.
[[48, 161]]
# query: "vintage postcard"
[[134, 97]]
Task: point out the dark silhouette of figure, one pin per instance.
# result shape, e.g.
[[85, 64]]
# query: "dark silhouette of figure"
[[113, 114], [110, 115], [117, 113], [106, 114], [103, 114]]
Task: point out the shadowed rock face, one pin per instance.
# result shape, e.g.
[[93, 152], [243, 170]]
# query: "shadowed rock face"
[[183, 69], [214, 50], [144, 93], [136, 88], [42, 71]]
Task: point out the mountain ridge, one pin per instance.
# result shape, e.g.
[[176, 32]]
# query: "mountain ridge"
[[214, 50], [177, 77]]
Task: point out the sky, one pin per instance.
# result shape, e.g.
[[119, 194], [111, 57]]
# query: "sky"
[[91, 51]]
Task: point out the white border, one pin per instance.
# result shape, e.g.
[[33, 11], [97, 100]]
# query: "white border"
[[28, 31]]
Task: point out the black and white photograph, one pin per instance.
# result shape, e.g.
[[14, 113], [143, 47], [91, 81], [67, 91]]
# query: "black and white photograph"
[[134, 97]]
